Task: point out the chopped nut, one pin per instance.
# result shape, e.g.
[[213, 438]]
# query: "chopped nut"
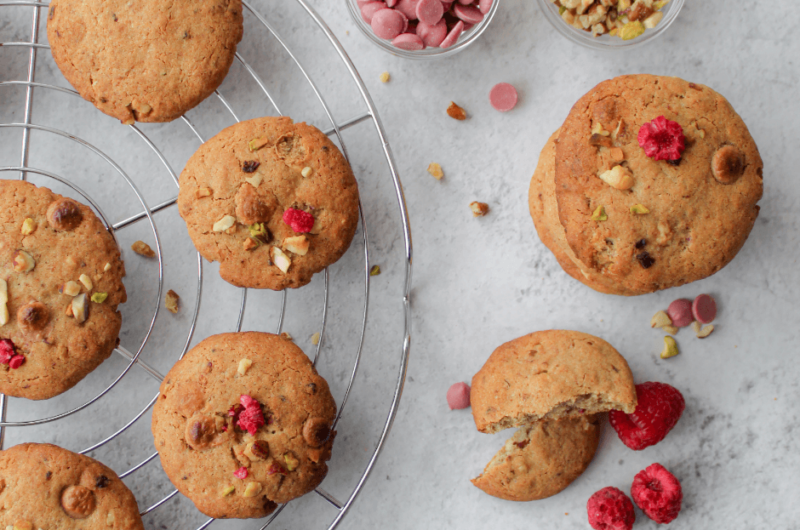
[[280, 259], [600, 140], [385, 77], [255, 180], [64, 214], [251, 243], [597, 128], [78, 502], [99, 298], [618, 177], [297, 245], [660, 320], [631, 30], [375, 270], [285, 335], [704, 332], [70, 288], [638, 209], [599, 214], [244, 366], [727, 165], [435, 170], [617, 154], [203, 192], [107, 267], [23, 262], [306, 172], [23, 525], [257, 450], [224, 223], [227, 490], [291, 461], [143, 249], [28, 227], [171, 301], [653, 20], [86, 281], [257, 143], [4, 316], [252, 489], [670, 348], [260, 232], [479, 209], [68, 310], [672, 330], [315, 338], [456, 112], [79, 308], [3, 291]]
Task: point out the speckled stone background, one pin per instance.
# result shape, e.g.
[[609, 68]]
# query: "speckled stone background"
[[477, 282]]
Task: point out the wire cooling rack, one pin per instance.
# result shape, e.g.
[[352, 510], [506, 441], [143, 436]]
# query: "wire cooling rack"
[[146, 217]]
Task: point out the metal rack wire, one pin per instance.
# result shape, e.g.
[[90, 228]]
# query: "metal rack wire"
[[147, 214]]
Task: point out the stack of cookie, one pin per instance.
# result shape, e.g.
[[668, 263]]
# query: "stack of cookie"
[[650, 183]]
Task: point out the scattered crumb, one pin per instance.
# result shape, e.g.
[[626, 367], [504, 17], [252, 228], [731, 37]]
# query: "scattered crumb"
[[315, 338], [479, 209], [385, 77], [456, 112], [435, 170], [375, 270], [171, 301], [143, 249]]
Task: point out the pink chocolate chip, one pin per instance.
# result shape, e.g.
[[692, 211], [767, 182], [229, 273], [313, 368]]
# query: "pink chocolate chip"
[[391, 3], [680, 312], [432, 36], [368, 9], [704, 309], [409, 41], [408, 8], [485, 6], [430, 11], [503, 97], [453, 36], [458, 396], [465, 2], [388, 23], [469, 14]]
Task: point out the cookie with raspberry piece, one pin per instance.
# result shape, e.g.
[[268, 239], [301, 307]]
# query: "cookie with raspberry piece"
[[60, 287], [243, 423], [273, 201], [45, 486]]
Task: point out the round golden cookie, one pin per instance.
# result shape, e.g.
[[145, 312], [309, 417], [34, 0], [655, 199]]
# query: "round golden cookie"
[[213, 450], [235, 192], [146, 61], [699, 212], [45, 486], [60, 285], [541, 459], [550, 375]]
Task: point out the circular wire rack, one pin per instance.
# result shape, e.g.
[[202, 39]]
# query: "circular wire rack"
[[132, 356]]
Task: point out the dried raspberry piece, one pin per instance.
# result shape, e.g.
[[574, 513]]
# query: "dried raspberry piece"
[[276, 468], [16, 361], [662, 139], [251, 418], [241, 473], [610, 509], [658, 410], [658, 493], [300, 221], [7, 350]]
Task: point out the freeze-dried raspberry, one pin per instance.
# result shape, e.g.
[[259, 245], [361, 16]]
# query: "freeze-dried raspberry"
[[300, 221], [241, 473], [610, 509], [251, 418], [7, 351], [658, 493], [658, 409], [16, 361], [662, 139], [276, 468]]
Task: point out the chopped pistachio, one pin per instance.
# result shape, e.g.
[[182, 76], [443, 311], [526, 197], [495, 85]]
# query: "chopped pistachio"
[[638, 209], [28, 227], [99, 298], [599, 214], [257, 143], [252, 489], [631, 30], [227, 490], [670, 348], [375, 270], [259, 231], [291, 461]]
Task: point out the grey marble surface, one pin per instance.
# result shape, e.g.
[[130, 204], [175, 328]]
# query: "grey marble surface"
[[477, 282]]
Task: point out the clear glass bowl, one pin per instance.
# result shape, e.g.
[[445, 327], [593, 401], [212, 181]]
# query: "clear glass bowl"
[[467, 38], [607, 42]]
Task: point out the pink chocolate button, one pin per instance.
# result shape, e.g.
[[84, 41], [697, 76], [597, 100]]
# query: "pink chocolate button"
[[388, 23], [391, 3], [430, 11], [503, 97], [409, 41], [704, 309], [680, 312], [432, 36], [458, 396], [453, 36], [370, 8], [469, 14], [408, 8], [485, 6]]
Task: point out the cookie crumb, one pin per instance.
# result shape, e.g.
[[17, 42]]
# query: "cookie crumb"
[[479, 209], [171, 301], [143, 249], [456, 112], [435, 170], [375, 270], [315, 338], [385, 77]]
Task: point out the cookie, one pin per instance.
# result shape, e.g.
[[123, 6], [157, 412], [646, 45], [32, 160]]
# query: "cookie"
[[244, 422], [273, 201], [60, 285], [541, 459], [550, 375], [45, 486], [681, 220], [146, 61]]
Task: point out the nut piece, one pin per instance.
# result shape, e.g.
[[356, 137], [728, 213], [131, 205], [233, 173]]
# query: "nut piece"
[[250, 209], [479, 209], [107, 267], [171, 301], [244, 366], [631, 30], [255, 180], [385, 77], [70, 288], [306, 172], [291, 461], [80, 308], [201, 432], [280, 259], [285, 336], [3, 291], [296, 245], [704, 332], [617, 154], [23, 525], [315, 338], [64, 214], [227, 490], [98, 297], [316, 431], [375, 270], [257, 450], [143, 249], [23, 262], [252, 489], [78, 502], [600, 140], [224, 223], [599, 214], [653, 20], [33, 316], [260, 233], [251, 244], [660, 320], [257, 143], [86, 281], [672, 330], [456, 112], [727, 164], [203, 192], [618, 177], [435, 170], [28, 227], [4, 316], [638, 209], [670, 348]]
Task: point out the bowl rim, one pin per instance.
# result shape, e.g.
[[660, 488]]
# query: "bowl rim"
[[428, 53], [585, 39]]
